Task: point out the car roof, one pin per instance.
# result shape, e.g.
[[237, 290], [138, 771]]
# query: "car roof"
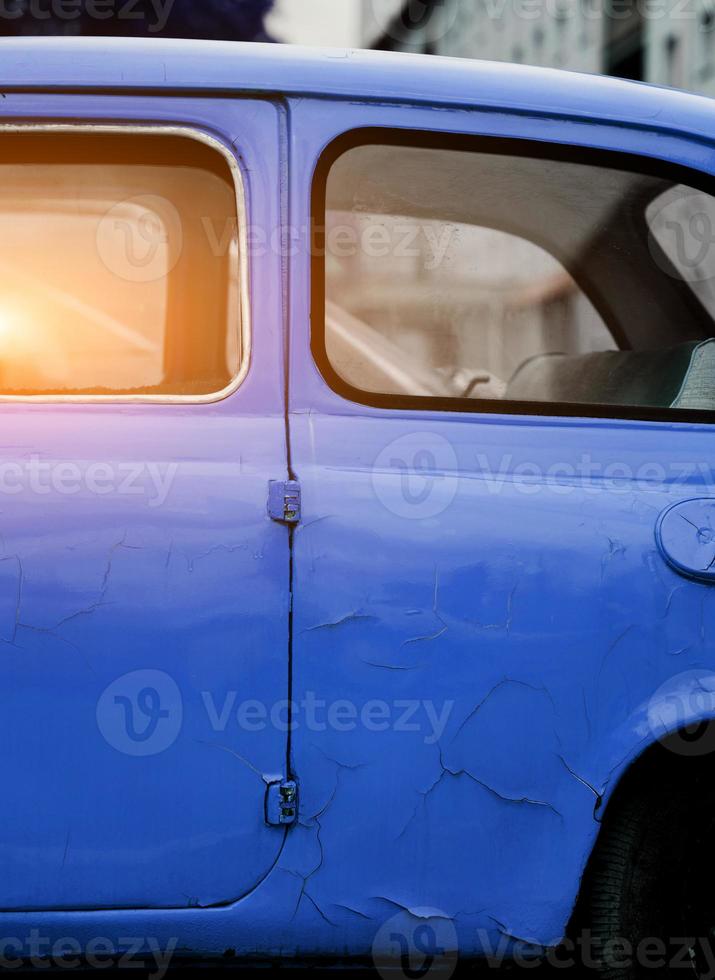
[[153, 64]]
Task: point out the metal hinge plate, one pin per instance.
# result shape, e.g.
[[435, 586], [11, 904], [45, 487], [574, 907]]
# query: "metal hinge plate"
[[282, 803], [284, 501]]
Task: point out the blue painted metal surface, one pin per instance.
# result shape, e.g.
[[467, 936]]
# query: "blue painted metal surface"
[[528, 591], [469, 681], [282, 803], [284, 501], [686, 537], [129, 616]]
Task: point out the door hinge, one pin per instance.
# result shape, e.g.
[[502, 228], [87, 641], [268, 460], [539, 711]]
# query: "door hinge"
[[282, 803], [284, 501]]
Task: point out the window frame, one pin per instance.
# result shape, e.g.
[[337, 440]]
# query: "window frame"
[[517, 146], [243, 328]]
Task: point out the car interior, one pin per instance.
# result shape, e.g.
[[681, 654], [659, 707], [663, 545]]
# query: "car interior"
[[613, 310]]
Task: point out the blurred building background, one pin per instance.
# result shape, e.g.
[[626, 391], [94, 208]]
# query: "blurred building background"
[[496, 301], [668, 42], [321, 22]]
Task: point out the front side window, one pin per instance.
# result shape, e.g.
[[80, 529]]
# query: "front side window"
[[493, 279], [118, 265]]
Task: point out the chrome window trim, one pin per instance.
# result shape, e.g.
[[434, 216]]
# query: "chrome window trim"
[[244, 328]]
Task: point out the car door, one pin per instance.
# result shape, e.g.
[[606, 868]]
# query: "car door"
[[482, 609], [143, 588]]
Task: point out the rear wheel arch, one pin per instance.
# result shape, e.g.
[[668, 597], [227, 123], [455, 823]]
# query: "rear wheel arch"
[[652, 859]]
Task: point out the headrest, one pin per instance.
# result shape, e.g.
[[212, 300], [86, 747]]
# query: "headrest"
[[677, 377]]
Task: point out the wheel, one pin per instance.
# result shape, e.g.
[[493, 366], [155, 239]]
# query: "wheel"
[[645, 909]]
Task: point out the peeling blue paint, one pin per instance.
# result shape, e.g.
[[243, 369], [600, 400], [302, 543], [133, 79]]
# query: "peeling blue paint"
[[504, 660]]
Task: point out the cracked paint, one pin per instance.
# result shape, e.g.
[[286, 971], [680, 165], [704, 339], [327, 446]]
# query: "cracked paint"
[[442, 626], [354, 617], [539, 654], [99, 591], [548, 619]]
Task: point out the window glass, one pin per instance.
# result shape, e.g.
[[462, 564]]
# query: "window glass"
[[118, 266], [508, 278], [682, 222]]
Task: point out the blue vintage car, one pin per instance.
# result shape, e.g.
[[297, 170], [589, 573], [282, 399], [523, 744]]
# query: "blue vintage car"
[[357, 514]]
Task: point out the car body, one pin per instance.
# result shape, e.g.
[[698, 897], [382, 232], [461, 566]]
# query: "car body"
[[472, 669]]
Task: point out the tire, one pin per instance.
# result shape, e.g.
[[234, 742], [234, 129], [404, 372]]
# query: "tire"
[[648, 879]]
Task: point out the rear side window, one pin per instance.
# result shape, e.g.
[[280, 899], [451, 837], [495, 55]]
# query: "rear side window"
[[119, 265], [488, 277]]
